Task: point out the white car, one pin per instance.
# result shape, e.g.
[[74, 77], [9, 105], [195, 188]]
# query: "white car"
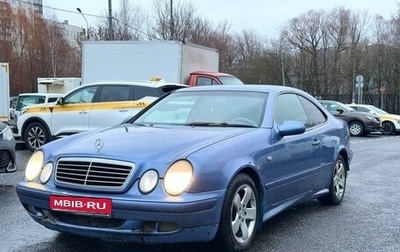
[[390, 122], [90, 106], [28, 99]]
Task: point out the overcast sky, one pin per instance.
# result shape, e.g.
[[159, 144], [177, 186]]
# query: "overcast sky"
[[265, 17]]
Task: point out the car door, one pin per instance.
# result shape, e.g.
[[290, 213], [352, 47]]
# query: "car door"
[[296, 159], [113, 105], [73, 115]]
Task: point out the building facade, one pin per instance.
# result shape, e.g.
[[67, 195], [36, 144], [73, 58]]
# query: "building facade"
[[72, 34]]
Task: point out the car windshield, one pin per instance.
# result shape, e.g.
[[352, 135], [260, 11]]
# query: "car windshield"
[[378, 110], [345, 107], [334, 106], [207, 108], [28, 100], [230, 80]]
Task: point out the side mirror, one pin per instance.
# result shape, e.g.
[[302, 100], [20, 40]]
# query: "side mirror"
[[60, 101], [340, 110], [288, 128]]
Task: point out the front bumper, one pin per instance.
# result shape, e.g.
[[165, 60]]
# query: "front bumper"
[[372, 126], [131, 220]]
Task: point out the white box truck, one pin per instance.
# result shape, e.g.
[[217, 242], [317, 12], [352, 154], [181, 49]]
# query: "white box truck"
[[172, 61], [58, 85], [4, 92]]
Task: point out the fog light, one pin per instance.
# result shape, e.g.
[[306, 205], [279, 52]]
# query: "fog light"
[[46, 173], [168, 226], [148, 181]]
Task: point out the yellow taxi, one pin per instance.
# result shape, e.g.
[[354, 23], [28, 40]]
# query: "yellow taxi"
[[87, 107]]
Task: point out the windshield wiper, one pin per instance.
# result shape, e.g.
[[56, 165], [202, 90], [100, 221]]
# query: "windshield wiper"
[[219, 124]]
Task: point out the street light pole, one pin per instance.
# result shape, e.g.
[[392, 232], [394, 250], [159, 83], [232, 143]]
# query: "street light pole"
[[110, 24], [87, 26], [282, 66]]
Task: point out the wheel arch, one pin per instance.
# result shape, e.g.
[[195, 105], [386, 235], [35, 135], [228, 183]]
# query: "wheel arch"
[[345, 156], [32, 120], [252, 173], [393, 122], [357, 121]]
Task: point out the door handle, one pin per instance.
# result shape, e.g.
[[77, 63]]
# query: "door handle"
[[316, 142], [123, 110], [83, 112]]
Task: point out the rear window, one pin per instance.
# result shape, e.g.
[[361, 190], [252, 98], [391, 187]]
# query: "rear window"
[[114, 93], [142, 91]]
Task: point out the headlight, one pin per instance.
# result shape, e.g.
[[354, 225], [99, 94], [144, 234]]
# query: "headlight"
[[23, 111], [7, 134], [34, 166], [46, 173], [371, 118], [178, 177], [148, 181]]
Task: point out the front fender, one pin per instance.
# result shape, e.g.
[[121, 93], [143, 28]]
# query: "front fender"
[[25, 123]]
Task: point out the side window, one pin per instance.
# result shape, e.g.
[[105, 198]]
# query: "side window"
[[112, 93], [52, 99], [363, 109], [288, 107], [40, 99], [204, 81], [314, 114], [141, 91], [83, 95]]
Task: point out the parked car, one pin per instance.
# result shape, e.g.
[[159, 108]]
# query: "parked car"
[[90, 106], [360, 123], [201, 163], [390, 122], [28, 99], [13, 103], [7, 149]]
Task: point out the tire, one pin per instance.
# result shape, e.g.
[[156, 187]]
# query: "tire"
[[240, 215], [356, 128], [35, 135], [387, 128], [337, 188]]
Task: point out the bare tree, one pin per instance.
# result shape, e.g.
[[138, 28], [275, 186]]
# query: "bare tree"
[[127, 23], [306, 33], [173, 19], [38, 51]]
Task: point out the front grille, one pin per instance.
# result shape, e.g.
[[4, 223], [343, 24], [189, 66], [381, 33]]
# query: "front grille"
[[88, 221], [93, 172]]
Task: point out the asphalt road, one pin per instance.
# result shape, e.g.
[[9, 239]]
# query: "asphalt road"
[[367, 220]]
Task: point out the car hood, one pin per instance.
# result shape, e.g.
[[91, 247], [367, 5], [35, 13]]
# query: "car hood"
[[359, 113], [390, 117], [131, 142]]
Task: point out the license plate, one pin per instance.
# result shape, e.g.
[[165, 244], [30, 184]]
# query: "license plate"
[[81, 204]]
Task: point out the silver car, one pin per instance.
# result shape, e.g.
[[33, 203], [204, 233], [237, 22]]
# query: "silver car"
[[7, 149]]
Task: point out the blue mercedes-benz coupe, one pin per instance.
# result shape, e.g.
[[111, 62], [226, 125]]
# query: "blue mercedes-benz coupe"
[[199, 164]]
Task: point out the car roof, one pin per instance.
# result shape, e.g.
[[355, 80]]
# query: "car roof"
[[271, 89], [155, 84], [43, 94], [361, 105], [212, 73], [246, 87]]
